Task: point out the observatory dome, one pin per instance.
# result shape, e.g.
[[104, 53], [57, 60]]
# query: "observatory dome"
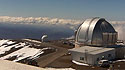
[[97, 32]]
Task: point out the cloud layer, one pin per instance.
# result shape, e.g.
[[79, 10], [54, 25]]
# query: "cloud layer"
[[72, 24], [37, 20], [119, 27]]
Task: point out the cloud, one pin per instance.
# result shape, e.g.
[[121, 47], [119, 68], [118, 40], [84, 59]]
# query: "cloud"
[[37, 20], [55, 28], [119, 27], [72, 24]]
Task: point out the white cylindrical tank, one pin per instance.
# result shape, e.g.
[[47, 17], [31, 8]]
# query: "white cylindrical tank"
[[43, 37]]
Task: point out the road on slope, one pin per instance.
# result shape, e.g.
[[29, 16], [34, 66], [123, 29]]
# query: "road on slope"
[[43, 61]]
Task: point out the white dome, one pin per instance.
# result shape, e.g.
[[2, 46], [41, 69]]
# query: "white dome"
[[93, 31]]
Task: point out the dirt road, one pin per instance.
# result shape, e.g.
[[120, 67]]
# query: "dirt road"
[[43, 61]]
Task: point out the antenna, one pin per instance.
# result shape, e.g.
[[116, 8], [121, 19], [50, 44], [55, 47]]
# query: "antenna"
[[43, 37]]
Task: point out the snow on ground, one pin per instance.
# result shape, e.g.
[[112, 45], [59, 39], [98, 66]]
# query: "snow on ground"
[[78, 63], [38, 53], [20, 45], [26, 52], [10, 42], [123, 60], [32, 40], [4, 46], [23, 53], [3, 41]]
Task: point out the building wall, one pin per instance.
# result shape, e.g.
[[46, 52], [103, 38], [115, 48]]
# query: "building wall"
[[77, 56], [91, 58], [120, 53], [109, 55]]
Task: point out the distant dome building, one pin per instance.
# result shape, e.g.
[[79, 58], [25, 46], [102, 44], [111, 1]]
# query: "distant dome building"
[[95, 32]]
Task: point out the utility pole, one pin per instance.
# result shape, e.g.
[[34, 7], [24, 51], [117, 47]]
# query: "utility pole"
[[86, 52]]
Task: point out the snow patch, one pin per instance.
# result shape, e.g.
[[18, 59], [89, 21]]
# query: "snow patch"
[[6, 45], [32, 40], [78, 63], [23, 53], [5, 48], [10, 42], [3, 42]]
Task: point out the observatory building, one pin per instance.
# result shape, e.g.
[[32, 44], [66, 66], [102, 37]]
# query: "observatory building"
[[96, 39], [97, 32]]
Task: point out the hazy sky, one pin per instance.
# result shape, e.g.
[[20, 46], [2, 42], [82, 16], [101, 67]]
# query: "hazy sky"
[[71, 9]]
